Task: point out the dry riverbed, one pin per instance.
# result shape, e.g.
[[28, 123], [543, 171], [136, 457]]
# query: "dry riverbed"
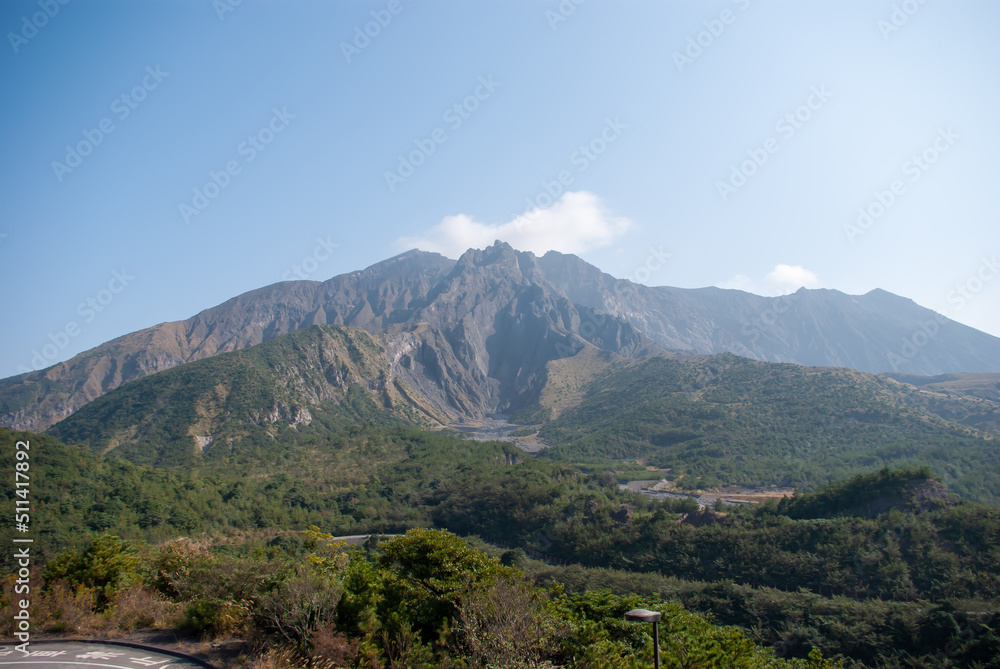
[[497, 428], [731, 495]]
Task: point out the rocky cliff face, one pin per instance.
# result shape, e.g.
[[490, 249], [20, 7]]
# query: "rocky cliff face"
[[490, 327], [478, 331]]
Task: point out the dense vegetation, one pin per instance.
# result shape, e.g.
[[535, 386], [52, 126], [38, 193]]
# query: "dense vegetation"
[[361, 479], [922, 546], [726, 420], [883, 570], [421, 600], [866, 632], [711, 420]]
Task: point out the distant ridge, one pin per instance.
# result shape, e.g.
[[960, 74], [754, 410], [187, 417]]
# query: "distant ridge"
[[496, 316]]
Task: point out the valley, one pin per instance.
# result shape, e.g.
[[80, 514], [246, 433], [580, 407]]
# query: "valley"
[[499, 428], [481, 335], [476, 412]]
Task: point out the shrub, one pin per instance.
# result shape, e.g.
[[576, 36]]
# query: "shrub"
[[211, 617], [183, 571], [278, 658], [329, 645], [506, 626], [59, 608], [426, 573], [138, 607], [107, 565], [297, 607]]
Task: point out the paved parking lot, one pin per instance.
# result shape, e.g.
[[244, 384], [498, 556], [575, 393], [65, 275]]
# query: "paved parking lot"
[[81, 654]]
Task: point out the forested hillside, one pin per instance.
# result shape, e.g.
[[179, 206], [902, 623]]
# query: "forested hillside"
[[711, 420], [726, 420], [245, 405], [893, 555]]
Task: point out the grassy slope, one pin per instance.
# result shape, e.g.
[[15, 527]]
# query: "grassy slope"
[[737, 421], [248, 401]]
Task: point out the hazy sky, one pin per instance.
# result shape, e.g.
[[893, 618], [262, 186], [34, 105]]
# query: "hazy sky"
[[160, 157]]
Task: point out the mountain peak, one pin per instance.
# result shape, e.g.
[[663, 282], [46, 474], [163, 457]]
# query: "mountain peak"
[[496, 305], [499, 253], [414, 261], [879, 293]]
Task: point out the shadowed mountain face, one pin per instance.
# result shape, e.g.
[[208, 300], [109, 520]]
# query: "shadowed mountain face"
[[473, 335]]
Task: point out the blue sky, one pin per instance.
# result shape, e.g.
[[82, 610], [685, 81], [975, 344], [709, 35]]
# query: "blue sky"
[[266, 140]]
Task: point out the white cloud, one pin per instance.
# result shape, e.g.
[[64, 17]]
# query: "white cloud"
[[575, 223], [782, 280], [738, 282]]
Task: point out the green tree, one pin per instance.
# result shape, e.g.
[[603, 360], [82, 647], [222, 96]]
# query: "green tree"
[[426, 573], [107, 565]]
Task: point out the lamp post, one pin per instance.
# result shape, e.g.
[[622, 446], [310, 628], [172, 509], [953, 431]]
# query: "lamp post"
[[646, 616]]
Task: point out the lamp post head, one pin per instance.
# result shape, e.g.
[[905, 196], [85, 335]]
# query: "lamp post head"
[[643, 616]]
